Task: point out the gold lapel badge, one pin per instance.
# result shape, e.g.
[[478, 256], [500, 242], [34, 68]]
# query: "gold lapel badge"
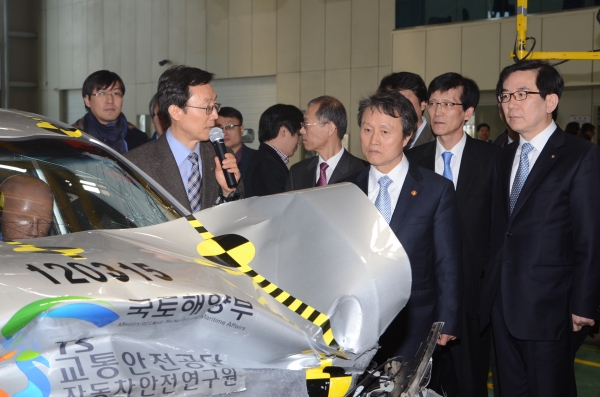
[[413, 193]]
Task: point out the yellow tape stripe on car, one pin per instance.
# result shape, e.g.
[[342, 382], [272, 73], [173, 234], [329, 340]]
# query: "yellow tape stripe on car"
[[30, 248], [233, 250]]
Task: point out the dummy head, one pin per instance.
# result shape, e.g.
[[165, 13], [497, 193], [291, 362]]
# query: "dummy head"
[[27, 207]]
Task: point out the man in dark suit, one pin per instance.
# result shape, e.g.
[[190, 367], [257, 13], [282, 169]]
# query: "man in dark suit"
[[482, 132], [323, 129], [507, 136], [278, 131], [540, 287], [420, 207], [462, 368], [182, 160], [413, 87], [232, 123]]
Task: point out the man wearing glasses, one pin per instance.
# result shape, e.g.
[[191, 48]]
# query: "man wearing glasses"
[[183, 160], [461, 368], [232, 123], [103, 93], [323, 129], [540, 287]]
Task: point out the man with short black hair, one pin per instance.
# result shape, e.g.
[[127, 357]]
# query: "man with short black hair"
[[103, 93], [278, 130], [420, 207], [412, 86], [507, 136], [230, 120], [183, 160], [160, 126], [462, 367], [323, 129], [540, 287], [482, 132]]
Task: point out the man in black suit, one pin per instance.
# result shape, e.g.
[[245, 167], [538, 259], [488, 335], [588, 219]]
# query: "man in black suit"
[[420, 207], [482, 132], [182, 160], [230, 120], [462, 368], [323, 129], [278, 130], [540, 287], [413, 87], [507, 136]]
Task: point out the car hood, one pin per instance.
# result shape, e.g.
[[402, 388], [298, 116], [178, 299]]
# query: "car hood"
[[224, 300]]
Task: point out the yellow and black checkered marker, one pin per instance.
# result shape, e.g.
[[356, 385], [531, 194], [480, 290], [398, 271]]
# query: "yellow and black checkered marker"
[[48, 126], [30, 248], [235, 251], [322, 382]]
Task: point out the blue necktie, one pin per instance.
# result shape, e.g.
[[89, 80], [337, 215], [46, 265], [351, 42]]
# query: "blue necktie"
[[383, 201], [447, 170], [521, 176], [194, 183]]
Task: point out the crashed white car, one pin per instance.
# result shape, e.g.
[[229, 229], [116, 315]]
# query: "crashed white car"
[[130, 295]]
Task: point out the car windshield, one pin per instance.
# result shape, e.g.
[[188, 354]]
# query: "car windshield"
[[91, 188]]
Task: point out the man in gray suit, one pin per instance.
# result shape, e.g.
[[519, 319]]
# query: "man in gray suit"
[[182, 160], [323, 129], [412, 87]]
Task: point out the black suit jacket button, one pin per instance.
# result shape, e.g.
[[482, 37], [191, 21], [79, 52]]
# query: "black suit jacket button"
[[482, 274]]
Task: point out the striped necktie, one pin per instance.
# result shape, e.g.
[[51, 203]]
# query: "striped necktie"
[[521, 176], [194, 183]]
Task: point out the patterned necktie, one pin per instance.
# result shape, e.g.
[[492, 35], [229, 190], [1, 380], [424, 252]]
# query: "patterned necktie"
[[323, 177], [194, 183], [521, 176], [383, 201], [447, 170]]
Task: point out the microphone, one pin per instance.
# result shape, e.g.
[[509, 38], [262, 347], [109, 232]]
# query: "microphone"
[[217, 137]]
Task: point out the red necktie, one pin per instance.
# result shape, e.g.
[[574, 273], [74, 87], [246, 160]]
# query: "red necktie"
[[323, 177]]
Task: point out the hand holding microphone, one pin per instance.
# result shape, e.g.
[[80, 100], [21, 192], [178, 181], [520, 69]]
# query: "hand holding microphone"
[[217, 137]]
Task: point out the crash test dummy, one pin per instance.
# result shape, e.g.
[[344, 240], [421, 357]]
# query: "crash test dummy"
[[26, 208]]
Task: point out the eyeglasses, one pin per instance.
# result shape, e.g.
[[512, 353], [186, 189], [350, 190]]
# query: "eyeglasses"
[[231, 126], [304, 124], [443, 105], [518, 95], [104, 95], [209, 108]]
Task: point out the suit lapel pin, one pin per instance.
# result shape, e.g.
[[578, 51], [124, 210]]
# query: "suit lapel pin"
[[553, 156], [413, 193]]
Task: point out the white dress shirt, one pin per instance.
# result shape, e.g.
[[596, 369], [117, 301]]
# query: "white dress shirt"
[[418, 133], [332, 163], [457, 152], [538, 143], [397, 175]]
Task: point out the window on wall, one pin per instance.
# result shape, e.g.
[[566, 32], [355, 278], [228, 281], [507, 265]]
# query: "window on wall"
[[430, 12]]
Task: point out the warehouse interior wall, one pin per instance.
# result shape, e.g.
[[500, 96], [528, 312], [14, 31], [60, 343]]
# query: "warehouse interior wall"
[[312, 47], [481, 49]]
